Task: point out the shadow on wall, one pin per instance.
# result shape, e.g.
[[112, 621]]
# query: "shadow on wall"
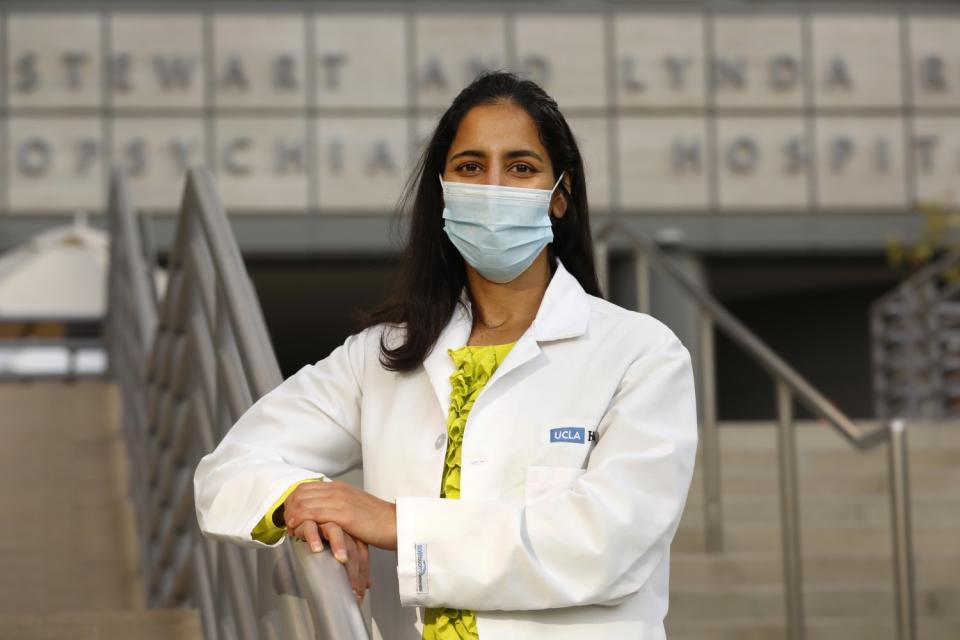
[[310, 304], [813, 312]]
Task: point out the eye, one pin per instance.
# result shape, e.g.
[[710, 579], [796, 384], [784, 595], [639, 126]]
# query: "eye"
[[469, 166], [526, 167]]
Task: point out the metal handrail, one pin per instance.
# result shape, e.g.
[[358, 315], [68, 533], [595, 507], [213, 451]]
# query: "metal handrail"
[[187, 368], [789, 386]]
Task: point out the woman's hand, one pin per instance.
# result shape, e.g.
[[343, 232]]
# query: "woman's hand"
[[353, 554], [357, 512]]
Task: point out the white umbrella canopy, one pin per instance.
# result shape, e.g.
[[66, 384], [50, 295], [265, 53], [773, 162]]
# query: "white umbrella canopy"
[[59, 276], [59, 273]]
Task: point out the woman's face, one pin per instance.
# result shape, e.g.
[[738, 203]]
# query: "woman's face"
[[498, 144]]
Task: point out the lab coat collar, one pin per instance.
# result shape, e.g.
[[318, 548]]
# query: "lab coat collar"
[[564, 313]]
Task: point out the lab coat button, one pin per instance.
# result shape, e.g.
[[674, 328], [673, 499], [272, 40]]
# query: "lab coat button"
[[441, 439]]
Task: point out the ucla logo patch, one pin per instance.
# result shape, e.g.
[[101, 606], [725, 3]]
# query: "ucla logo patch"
[[577, 435]]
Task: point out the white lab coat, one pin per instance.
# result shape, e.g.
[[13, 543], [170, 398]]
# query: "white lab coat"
[[577, 458]]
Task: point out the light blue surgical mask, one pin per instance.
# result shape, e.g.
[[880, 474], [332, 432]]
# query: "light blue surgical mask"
[[498, 230]]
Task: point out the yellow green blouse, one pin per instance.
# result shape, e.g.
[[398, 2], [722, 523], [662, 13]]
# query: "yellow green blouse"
[[474, 366]]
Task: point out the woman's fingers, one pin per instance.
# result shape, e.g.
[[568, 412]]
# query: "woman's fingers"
[[364, 553], [353, 568], [308, 531], [353, 554], [334, 535], [345, 550]]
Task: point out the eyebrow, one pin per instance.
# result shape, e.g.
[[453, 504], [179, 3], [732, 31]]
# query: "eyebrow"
[[510, 155]]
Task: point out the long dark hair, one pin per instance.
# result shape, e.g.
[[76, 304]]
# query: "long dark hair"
[[432, 272]]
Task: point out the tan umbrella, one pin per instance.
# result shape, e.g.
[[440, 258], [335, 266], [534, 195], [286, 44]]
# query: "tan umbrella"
[[59, 273]]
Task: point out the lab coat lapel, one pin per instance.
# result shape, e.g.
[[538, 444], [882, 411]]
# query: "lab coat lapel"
[[438, 363], [563, 313]]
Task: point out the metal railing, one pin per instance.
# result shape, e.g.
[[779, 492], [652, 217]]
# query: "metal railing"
[[188, 368], [915, 334], [789, 387]]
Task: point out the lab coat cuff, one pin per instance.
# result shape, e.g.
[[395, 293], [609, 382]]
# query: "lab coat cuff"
[[413, 561], [279, 488], [238, 523]]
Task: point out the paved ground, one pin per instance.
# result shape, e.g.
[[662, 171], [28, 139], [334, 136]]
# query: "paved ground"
[[66, 540], [68, 567]]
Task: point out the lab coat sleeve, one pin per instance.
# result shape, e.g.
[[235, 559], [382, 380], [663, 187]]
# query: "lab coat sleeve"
[[594, 543], [307, 426]]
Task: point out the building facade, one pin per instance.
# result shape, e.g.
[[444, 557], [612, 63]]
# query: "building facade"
[[737, 131]]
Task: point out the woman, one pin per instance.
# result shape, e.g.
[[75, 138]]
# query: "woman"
[[550, 512]]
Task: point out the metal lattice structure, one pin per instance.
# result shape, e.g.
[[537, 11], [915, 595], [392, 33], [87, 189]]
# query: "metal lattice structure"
[[915, 332], [188, 366]]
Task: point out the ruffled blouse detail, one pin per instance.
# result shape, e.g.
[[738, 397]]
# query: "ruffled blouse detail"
[[474, 366]]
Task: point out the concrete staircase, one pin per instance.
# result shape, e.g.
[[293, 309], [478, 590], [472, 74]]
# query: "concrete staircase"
[[67, 538], [845, 537]]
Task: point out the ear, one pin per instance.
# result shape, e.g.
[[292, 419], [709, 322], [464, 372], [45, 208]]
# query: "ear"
[[558, 206]]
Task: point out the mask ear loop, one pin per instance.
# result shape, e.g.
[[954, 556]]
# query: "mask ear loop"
[[554, 189], [558, 181]]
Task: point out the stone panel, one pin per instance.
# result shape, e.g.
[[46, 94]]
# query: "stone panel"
[[262, 164], [46, 68], [860, 162], [55, 164], [361, 60], [155, 153], [660, 60], [158, 61], [362, 163], [663, 163]]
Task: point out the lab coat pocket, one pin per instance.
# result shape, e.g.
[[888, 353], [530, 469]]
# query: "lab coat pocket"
[[545, 482]]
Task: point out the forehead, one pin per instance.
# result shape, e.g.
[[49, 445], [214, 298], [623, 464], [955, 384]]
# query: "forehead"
[[497, 126]]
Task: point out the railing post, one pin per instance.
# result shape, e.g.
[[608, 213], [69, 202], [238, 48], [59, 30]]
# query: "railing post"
[[789, 514], [601, 259], [905, 603], [641, 263], [709, 438]]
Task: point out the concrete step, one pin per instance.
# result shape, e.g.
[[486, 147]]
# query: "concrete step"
[[871, 509], [766, 602], [757, 478], [820, 537], [156, 624], [817, 436], [842, 453], [70, 543], [752, 567], [867, 628], [845, 538], [843, 458]]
